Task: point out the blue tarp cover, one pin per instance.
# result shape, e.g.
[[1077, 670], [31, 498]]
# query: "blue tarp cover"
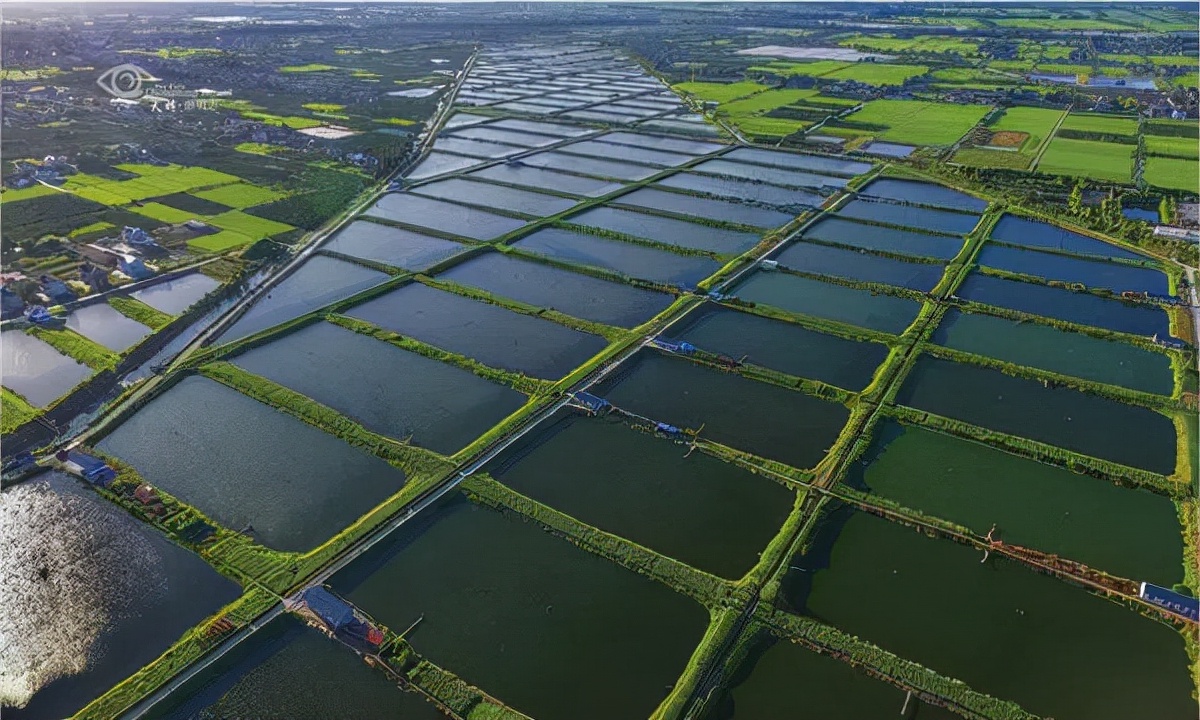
[[335, 611]]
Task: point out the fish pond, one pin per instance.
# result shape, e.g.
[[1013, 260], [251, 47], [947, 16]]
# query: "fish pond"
[[816, 163], [750, 191], [293, 484], [667, 230], [36, 371], [837, 230], [1063, 304], [661, 142], [392, 245], [776, 176], [102, 323], [718, 210], [1112, 276], [540, 179], [859, 265], [626, 153], [1049, 348], [1031, 233], [1078, 421], [806, 296], [546, 286], [757, 417], [921, 193], [782, 346], [689, 506], [938, 221], [319, 281], [1054, 648], [90, 595], [1129, 533], [499, 197], [632, 259], [177, 294], [489, 333], [590, 166], [386, 389], [442, 216], [544, 626]]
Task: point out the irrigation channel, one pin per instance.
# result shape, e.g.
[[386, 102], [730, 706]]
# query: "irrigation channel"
[[711, 388]]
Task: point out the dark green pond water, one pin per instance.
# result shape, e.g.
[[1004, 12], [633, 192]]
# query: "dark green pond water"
[[712, 515], [784, 680], [1003, 629], [244, 463], [388, 390], [763, 419], [632, 259], [1063, 304], [873, 237], [691, 205], [1048, 348], [859, 265], [287, 670], [667, 230], [489, 333], [827, 300], [942, 221], [90, 595], [544, 626], [1093, 273], [545, 286], [1130, 533], [782, 346], [392, 245], [1085, 423]]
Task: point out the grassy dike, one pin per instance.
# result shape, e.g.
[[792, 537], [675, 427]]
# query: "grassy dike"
[[77, 347], [15, 411], [141, 312], [450, 693]]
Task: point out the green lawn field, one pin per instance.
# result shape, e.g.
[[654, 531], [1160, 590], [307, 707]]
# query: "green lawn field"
[[1087, 158]]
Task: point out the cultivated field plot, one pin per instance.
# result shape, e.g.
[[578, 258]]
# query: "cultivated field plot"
[[620, 408]]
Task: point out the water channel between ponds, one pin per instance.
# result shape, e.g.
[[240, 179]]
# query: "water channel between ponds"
[[712, 515], [545, 286], [807, 296], [288, 670], [756, 417], [295, 485], [1000, 627], [1074, 420], [1049, 348], [542, 625], [631, 259], [489, 333], [388, 390], [90, 595], [1130, 533], [782, 346]]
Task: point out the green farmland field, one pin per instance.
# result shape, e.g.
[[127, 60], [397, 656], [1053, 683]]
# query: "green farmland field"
[[878, 74], [240, 195], [219, 242], [720, 92], [166, 213], [1087, 158], [250, 225], [916, 122], [1174, 173], [1037, 122], [1106, 124], [1183, 147], [760, 126]]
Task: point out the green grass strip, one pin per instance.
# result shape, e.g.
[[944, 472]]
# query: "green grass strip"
[[14, 411], [76, 346], [135, 309]]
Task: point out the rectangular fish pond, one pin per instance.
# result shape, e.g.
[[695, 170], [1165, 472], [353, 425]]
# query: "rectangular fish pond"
[[1088, 424], [938, 221], [441, 216], [491, 334], [797, 161], [1063, 304], [998, 626], [776, 176], [288, 670], [666, 230], [708, 208], [388, 390], [1032, 233], [692, 507], [806, 296], [1095, 274], [594, 167], [544, 626], [782, 346], [1049, 348], [177, 294], [859, 265], [100, 322], [90, 595], [499, 197], [1130, 533], [750, 191], [631, 259], [922, 193], [832, 229], [36, 371], [293, 484], [541, 179], [546, 286], [757, 417], [392, 245]]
